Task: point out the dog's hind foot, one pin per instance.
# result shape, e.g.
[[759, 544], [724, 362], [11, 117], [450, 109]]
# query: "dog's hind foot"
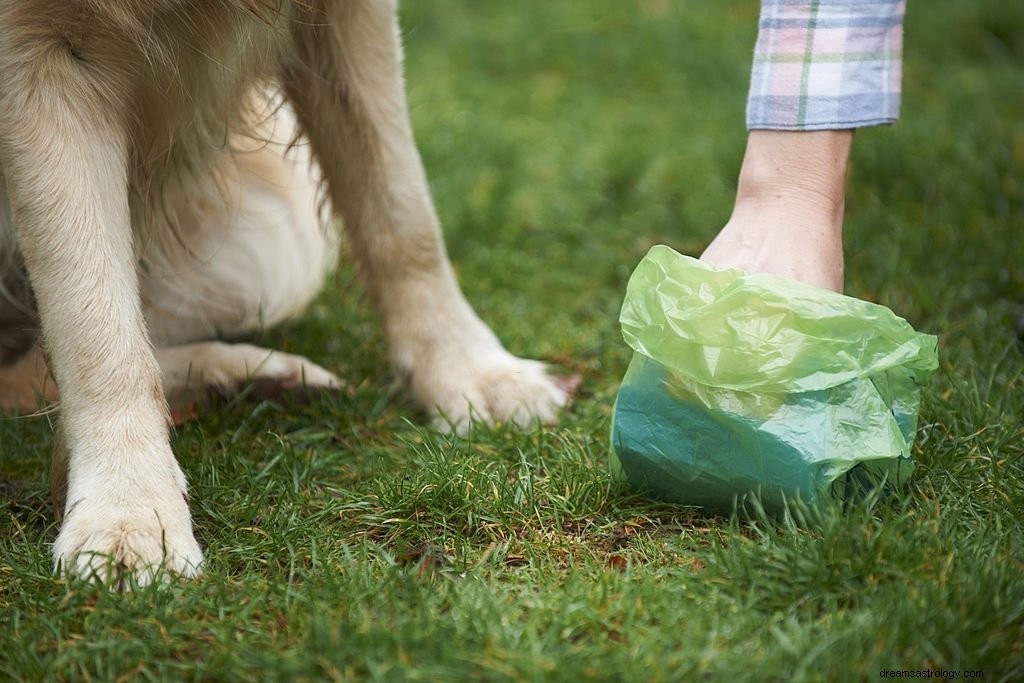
[[194, 372]]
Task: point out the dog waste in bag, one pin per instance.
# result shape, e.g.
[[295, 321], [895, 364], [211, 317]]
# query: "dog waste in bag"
[[745, 383]]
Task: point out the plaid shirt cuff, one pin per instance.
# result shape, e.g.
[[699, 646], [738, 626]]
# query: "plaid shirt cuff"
[[826, 64]]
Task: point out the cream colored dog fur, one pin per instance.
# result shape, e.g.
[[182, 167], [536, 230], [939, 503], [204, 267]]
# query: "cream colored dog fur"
[[163, 163]]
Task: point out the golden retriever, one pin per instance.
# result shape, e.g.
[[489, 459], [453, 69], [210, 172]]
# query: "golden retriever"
[[171, 170]]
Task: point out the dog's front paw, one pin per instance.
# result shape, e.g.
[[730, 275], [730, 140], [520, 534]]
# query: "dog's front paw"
[[122, 539], [495, 388]]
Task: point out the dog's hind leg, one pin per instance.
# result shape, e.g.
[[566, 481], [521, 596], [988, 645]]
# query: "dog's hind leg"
[[64, 148], [194, 372], [346, 85], [253, 252]]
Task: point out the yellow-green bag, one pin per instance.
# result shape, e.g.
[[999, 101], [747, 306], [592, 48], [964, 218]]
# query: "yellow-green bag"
[[746, 383]]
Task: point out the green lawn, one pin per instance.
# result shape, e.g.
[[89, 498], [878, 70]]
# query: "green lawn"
[[347, 541]]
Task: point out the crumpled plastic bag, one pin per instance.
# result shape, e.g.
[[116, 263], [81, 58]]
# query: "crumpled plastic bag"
[[745, 383]]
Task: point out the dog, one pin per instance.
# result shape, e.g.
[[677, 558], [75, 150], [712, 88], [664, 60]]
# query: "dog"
[[171, 173]]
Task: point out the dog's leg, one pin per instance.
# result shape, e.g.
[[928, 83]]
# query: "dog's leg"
[[346, 85], [192, 371], [64, 150], [256, 254]]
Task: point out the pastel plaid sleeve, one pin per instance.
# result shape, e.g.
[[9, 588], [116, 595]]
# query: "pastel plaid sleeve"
[[826, 64]]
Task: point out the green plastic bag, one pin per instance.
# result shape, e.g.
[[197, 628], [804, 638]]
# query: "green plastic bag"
[[746, 383]]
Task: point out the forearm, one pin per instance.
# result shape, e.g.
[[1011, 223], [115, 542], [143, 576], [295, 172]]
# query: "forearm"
[[804, 170]]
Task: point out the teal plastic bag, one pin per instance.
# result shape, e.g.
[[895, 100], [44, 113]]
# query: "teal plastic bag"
[[746, 383]]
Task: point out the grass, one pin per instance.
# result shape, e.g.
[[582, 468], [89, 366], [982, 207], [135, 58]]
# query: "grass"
[[348, 541]]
